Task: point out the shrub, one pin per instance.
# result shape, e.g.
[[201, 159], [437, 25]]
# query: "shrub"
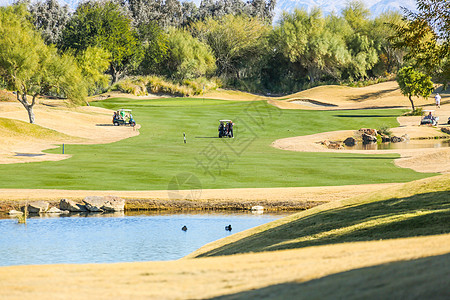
[[384, 130], [416, 112], [143, 85]]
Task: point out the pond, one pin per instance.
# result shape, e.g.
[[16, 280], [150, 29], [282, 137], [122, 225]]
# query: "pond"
[[99, 238], [412, 144]]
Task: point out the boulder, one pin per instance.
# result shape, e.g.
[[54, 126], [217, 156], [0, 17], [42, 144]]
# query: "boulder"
[[396, 139], [54, 210], [350, 142], [385, 138], [446, 130], [14, 212], [106, 203], [326, 143], [72, 206], [368, 131], [114, 204], [257, 208], [335, 145], [38, 207], [368, 139], [94, 203]]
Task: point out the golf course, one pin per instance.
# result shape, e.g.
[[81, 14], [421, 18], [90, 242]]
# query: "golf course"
[[159, 153], [375, 227]]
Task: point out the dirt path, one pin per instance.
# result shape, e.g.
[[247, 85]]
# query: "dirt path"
[[210, 277]]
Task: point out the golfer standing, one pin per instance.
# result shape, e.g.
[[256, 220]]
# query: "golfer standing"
[[438, 100]]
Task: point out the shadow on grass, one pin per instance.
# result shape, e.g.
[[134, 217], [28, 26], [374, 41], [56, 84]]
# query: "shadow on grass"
[[365, 157], [418, 215], [373, 95], [366, 116], [424, 278]]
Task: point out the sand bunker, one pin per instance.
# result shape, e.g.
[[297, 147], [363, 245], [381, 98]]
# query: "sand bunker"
[[56, 124], [382, 95], [419, 159]]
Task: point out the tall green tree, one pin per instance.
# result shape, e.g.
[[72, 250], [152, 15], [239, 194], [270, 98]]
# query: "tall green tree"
[[360, 45], [187, 57], [94, 62], [426, 35], [31, 68], [414, 84], [306, 40], [155, 48], [104, 25], [238, 42]]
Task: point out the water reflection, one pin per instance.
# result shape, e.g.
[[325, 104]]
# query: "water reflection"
[[412, 144]]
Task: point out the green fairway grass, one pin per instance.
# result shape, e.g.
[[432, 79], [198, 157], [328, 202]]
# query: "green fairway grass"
[[149, 161]]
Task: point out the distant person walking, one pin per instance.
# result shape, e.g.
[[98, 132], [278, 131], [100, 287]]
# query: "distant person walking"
[[437, 98]]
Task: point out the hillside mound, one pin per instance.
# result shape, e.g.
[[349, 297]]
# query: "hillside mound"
[[333, 97], [413, 209]]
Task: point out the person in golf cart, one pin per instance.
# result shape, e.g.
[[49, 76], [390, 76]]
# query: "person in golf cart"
[[225, 128], [429, 119], [123, 117]]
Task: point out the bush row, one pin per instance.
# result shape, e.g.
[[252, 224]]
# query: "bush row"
[[143, 85]]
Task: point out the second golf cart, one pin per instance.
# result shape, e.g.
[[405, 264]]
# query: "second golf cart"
[[226, 128], [123, 117]]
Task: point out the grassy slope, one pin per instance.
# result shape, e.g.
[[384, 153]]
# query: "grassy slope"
[[423, 278], [10, 128], [413, 209], [150, 160]]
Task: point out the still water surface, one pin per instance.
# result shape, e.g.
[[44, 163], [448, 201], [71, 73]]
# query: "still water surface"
[[412, 144], [119, 238]]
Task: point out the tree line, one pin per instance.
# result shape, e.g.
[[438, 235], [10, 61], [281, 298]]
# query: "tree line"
[[82, 52]]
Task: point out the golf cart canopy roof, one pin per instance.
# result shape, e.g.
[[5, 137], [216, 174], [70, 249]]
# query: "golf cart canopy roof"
[[224, 120], [122, 109]]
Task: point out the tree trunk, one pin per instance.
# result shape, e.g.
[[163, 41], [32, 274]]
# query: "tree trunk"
[[412, 103], [28, 106]]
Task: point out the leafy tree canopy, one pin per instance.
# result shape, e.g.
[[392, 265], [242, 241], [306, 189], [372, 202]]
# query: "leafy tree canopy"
[[414, 84], [104, 25]]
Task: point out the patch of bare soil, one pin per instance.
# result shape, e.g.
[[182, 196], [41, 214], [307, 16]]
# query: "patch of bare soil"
[[211, 277]]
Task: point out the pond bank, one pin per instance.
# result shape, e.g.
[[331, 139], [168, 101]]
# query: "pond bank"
[[184, 205], [273, 199]]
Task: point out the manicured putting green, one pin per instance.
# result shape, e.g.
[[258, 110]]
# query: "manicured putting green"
[[158, 155]]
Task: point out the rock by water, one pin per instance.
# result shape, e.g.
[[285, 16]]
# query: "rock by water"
[[72, 206], [38, 207]]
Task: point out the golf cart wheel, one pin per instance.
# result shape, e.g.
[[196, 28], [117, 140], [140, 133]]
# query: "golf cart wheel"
[[132, 124], [116, 123]]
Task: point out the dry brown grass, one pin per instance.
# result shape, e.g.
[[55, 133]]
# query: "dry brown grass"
[[212, 277]]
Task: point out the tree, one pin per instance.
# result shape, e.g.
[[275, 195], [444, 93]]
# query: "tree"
[[50, 19], [93, 63], [426, 35], [104, 25], [414, 84], [307, 41], [360, 45], [29, 67], [187, 57], [238, 42], [155, 47]]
